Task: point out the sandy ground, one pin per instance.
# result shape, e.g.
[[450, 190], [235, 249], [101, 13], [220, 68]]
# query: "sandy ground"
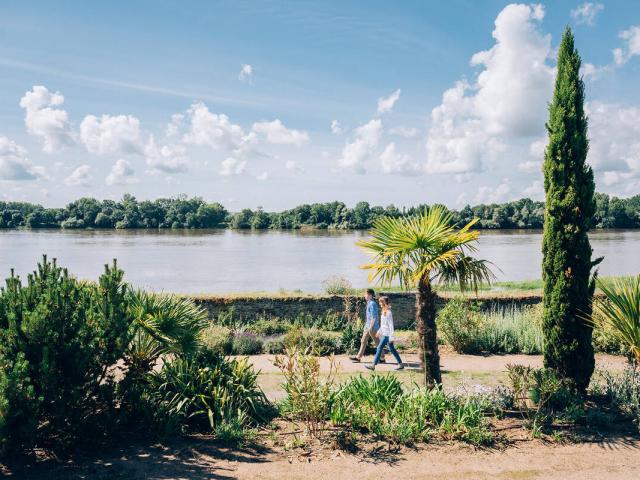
[[196, 459]]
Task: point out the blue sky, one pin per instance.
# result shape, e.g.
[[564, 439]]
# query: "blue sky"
[[278, 103]]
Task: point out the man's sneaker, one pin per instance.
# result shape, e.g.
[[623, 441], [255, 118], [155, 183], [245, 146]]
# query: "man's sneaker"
[[400, 367], [370, 367], [354, 359]]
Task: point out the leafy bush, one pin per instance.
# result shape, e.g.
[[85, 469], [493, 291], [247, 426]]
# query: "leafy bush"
[[511, 330], [246, 343], [217, 339], [234, 432], [58, 338], [621, 391], [460, 323], [309, 396], [336, 285], [274, 345], [318, 342], [269, 326], [197, 394], [378, 404], [351, 336]]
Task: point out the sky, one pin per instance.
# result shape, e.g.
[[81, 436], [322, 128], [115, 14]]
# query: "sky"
[[278, 103]]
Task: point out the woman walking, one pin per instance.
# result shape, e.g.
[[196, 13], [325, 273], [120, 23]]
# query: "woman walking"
[[385, 335]]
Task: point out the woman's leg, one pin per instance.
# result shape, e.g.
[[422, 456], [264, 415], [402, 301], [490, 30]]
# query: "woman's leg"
[[383, 342], [394, 352]]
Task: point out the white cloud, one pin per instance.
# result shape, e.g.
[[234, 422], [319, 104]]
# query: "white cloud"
[[80, 177], [498, 194], [177, 119], [14, 164], [213, 130], [275, 132], [586, 13], [166, 158], [232, 166], [336, 128], [386, 104], [536, 150], [394, 162], [355, 153], [631, 36], [535, 190], [119, 134], [121, 173], [508, 101], [614, 148], [44, 119], [263, 176], [246, 73], [406, 132]]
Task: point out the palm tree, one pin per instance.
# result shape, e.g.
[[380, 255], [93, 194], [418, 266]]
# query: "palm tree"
[[419, 251], [619, 312]]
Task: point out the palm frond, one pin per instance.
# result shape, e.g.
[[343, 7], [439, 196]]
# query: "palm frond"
[[619, 312]]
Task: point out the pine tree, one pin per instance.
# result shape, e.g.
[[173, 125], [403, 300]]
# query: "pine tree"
[[570, 205]]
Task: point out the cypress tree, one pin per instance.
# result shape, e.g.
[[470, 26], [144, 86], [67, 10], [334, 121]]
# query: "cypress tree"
[[569, 208]]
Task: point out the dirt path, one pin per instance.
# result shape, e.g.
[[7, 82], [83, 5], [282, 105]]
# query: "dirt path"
[[200, 459], [450, 362]]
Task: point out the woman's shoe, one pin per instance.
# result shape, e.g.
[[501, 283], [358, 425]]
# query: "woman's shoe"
[[354, 359], [370, 367], [400, 367]]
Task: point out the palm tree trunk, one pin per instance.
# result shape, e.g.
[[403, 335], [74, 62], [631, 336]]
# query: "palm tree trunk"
[[427, 337]]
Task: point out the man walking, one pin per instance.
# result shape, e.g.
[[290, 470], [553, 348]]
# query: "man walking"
[[371, 326]]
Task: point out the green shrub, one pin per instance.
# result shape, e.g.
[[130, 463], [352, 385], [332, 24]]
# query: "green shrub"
[[234, 432], [378, 404], [460, 323], [265, 327], [246, 343], [217, 339], [58, 337], [621, 391], [197, 394], [274, 345], [317, 342], [336, 285], [351, 336], [512, 330]]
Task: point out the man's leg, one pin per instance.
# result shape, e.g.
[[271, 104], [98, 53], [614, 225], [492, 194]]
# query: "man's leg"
[[363, 344]]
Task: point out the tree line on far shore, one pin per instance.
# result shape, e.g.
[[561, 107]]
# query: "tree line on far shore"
[[194, 213]]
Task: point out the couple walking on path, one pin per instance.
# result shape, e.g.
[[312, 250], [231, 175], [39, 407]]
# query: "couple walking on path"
[[380, 329]]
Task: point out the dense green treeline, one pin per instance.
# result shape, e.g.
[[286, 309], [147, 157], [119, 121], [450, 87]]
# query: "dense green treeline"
[[183, 212]]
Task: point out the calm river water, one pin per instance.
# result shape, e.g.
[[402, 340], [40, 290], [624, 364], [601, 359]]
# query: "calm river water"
[[221, 261]]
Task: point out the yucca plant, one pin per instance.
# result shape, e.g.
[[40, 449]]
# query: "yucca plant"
[[418, 251], [619, 312]]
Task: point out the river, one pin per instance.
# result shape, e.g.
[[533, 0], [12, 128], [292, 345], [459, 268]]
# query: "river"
[[225, 261]]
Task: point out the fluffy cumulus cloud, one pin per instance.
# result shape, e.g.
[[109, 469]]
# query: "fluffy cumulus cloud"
[[620, 56], [336, 128], [508, 101], [394, 162], [121, 173], [214, 130], [495, 194], [80, 177], [614, 149], [246, 73], [385, 104], [166, 158], [44, 118], [232, 166], [14, 164], [359, 150], [108, 134], [586, 13], [275, 132]]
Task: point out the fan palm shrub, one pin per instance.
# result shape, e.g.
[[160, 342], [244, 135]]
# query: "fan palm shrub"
[[619, 312], [417, 252]]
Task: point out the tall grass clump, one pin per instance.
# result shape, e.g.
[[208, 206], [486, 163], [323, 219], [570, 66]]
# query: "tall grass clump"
[[512, 330], [379, 404]]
